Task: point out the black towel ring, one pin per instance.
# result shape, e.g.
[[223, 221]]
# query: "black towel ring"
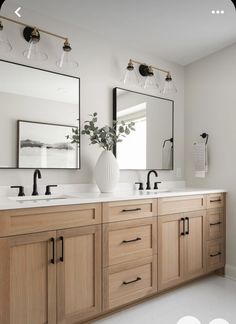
[[205, 135]]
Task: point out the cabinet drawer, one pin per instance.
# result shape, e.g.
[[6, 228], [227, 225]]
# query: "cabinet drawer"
[[215, 200], [130, 240], [215, 255], [128, 282], [125, 210], [31, 220], [176, 205], [215, 223]]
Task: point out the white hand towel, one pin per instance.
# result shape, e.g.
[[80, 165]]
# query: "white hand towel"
[[200, 155], [167, 157]]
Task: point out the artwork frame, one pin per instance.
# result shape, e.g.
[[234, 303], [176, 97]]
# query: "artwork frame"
[[35, 153]]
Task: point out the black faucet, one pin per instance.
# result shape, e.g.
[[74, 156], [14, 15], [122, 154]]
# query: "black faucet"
[[37, 174], [148, 178]]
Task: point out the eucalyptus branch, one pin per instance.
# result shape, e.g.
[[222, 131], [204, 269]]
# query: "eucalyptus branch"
[[107, 136]]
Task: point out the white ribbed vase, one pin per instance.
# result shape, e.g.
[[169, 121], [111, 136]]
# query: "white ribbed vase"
[[107, 172]]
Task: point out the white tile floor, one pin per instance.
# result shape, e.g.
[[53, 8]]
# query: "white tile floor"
[[206, 299]]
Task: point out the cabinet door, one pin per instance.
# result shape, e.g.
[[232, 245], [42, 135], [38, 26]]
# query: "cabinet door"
[[195, 244], [78, 274], [28, 279], [170, 251]]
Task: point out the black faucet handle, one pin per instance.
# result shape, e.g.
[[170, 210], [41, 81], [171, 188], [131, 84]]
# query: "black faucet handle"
[[156, 185], [140, 185], [21, 190], [48, 187]]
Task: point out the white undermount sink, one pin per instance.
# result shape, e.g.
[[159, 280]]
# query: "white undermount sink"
[[38, 198]]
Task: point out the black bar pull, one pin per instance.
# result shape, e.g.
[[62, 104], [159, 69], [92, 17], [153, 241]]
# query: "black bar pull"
[[187, 231], [213, 224], [132, 281], [214, 255], [131, 210], [53, 250], [215, 200], [130, 241], [62, 248], [183, 232]]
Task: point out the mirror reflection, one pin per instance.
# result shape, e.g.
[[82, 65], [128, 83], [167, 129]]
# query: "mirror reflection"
[[151, 145], [38, 110]]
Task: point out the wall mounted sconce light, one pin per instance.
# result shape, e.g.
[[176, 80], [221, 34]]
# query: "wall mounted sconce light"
[[33, 52], [149, 77]]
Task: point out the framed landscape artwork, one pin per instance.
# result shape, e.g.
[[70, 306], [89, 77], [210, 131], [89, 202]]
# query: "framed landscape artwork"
[[43, 145]]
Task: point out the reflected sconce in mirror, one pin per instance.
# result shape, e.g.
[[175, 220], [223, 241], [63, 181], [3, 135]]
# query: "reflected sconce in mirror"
[[149, 77], [33, 52]]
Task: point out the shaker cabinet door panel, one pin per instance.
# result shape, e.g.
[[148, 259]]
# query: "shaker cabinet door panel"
[[28, 279], [170, 251], [195, 244], [78, 274]]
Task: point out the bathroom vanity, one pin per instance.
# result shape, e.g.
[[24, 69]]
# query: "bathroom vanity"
[[71, 260]]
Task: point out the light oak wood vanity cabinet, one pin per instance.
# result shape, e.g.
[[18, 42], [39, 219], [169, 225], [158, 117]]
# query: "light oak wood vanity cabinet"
[[53, 276], [69, 264], [129, 251]]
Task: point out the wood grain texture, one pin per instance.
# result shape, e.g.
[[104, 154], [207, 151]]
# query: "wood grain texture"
[[195, 245], [117, 293], [127, 210], [215, 223], [79, 275], [215, 200], [115, 251], [170, 251], [215, 254], [181, 204], [23, 221], [29, 293]]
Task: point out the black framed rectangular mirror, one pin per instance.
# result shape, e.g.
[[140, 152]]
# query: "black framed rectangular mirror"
[[39, 108], [151, 145]]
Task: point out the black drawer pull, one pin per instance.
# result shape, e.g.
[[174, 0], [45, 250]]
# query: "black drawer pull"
[[62, 248], [130, 241], [187, 231], [53, 250], [215, 200], [132, 281], [183, 232], [213, 224], [131, 210], [214, 255]]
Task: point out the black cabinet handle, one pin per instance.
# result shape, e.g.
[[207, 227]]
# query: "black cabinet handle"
[[130, 241], [131, 210], [53, 250], [62, 248], [187, 231], [214, 255], [215, 200], [213, 224], [132, 281], [183, 232]]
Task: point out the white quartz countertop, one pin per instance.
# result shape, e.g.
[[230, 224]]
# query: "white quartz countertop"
[[74, 198]]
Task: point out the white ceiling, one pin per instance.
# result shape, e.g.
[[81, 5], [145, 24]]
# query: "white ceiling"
[[178, 30]]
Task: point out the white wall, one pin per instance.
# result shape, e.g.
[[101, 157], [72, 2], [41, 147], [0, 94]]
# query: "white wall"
[[101, 63], [210, 105]]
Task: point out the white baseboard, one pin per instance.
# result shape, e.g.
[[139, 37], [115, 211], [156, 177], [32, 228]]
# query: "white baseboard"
[[230, 272]]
